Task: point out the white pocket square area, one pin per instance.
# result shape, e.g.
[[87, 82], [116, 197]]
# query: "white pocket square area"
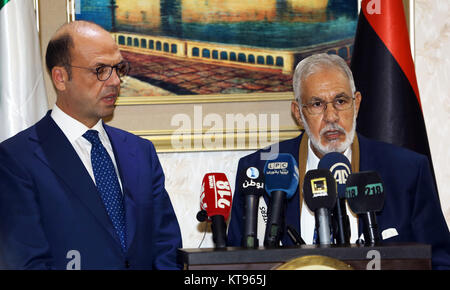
[[389, 233]]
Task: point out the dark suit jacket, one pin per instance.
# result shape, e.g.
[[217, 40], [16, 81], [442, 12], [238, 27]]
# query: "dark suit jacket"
[[49, 205], [411, 201]]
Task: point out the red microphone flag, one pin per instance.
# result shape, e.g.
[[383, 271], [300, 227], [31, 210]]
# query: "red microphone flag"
[[216, 196]]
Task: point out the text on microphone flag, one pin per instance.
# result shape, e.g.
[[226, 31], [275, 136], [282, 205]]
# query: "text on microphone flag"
[[369, 189], [222, 190], [341, 172], [216, 196]]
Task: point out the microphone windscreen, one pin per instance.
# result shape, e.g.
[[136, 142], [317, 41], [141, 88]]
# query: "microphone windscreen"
[[340, 168], [216, 195], [365, 192], [250, 180], [319, 189], [202, 215], [281, 174]]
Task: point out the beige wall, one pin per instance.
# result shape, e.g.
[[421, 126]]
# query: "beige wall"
[[432, 47], [52, 14], [184, 171]]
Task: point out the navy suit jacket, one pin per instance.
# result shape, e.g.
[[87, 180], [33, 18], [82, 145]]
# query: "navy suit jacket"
[[411, 201], [49, 205]]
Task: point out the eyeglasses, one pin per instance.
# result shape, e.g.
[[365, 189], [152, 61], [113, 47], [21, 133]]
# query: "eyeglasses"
[[318, 106], [104, 72]]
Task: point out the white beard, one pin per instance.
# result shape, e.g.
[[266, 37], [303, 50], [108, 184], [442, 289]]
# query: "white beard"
[[333, 146]]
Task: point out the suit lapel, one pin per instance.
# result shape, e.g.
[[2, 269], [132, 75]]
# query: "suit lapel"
[[59, 155], [293, 206], [125, 154]]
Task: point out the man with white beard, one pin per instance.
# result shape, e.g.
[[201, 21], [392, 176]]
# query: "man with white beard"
[[326, 106]]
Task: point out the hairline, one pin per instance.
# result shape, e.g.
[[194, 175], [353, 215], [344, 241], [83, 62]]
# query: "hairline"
[[316, 63], [66, 33]]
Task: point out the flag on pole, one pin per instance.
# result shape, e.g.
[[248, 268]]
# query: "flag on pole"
[[23, 99], [384, 73]]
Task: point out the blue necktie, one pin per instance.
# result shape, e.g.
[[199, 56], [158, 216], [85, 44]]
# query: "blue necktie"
[[107, 184]]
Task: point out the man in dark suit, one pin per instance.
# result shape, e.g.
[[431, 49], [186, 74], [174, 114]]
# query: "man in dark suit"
[[326, 105], [74, 192]]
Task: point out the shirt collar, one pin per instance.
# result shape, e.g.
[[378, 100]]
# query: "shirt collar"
[[72, 128]]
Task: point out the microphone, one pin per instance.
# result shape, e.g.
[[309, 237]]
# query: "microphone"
[[340, 168], [281, 178], [319, 192], [295, 236], [365, 196], [215, 200], [251, 182]]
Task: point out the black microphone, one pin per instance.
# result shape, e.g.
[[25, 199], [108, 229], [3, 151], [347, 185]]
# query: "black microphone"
[[295, 236], [202, 215], [251, 182], [281, 178], [319, 192], [340, 168], [365, 196]]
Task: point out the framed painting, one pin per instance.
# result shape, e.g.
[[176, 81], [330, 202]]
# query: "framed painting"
[[197, 51], [207, 64]]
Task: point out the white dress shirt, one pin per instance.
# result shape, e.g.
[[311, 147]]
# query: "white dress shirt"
[[74, 130], [307, 221]]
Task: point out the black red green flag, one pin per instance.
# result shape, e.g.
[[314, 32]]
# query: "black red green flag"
[[384, 73]]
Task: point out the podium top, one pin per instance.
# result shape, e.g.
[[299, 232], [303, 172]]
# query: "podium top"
[[354, 252]]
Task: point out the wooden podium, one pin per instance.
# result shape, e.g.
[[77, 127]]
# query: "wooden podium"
[[394, 256]]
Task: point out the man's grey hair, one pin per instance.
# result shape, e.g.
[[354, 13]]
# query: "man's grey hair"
[[315, 63]]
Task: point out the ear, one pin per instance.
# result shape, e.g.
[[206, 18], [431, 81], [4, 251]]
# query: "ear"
[[358, 98], [59, 77], [295, 109]]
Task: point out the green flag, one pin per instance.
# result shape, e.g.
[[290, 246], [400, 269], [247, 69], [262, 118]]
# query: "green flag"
[[23, 99], [2, 3]]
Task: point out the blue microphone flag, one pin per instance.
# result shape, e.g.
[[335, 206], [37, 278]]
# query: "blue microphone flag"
[[339, 167], [281, 174]]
